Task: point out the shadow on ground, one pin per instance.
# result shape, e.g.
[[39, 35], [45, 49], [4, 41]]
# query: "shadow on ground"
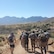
[[37, 52], [29, 51], [51, 52], [34, 52]]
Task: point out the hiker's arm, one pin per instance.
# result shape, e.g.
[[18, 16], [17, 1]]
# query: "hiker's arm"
[[15, 39], [20, 38], [8, 42]]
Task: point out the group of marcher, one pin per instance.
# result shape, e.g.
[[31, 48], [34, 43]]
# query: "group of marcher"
[[38, 39]]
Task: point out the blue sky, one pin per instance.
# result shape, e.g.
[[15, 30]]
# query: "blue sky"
[[27, 8]]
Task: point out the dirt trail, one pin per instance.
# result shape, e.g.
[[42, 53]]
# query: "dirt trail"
[[20, 50]]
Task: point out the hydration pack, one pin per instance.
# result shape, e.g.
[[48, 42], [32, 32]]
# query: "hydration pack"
[[43, 39], [10, 39]]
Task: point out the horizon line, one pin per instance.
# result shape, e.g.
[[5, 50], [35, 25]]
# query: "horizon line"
[[26, 17]]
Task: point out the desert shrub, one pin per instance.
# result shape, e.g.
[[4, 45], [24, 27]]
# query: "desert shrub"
[[52, 35], [2, 38], [1, 44], [1, 51]]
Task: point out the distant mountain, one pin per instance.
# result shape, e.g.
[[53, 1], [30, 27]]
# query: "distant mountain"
[[15, 20], [49, 20]]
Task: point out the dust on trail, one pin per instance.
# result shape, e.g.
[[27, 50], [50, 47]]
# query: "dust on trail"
[[20, 50]]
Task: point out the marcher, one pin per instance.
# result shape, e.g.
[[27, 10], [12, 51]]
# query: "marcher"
[[11, 42]]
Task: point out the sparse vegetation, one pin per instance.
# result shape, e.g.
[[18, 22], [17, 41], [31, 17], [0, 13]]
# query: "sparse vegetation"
[[5, 30]]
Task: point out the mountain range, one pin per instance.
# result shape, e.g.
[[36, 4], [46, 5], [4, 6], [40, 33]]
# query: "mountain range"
[[16, 20]]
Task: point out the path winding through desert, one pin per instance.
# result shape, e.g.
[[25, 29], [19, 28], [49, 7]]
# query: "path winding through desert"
[[20, 50]]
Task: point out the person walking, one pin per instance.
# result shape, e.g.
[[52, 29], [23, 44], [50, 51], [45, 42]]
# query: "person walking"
[[11, 42]]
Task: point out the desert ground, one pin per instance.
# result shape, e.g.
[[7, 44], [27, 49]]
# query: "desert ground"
[[20, 50]]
